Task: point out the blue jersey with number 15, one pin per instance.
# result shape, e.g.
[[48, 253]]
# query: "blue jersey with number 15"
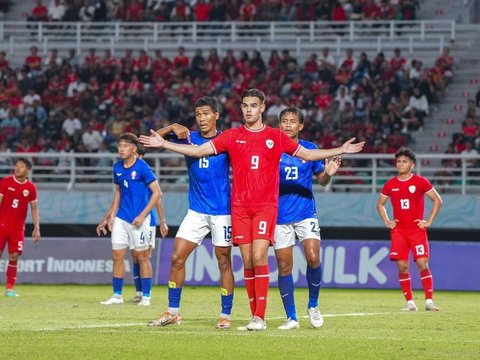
[[296, 201], [209, 182]]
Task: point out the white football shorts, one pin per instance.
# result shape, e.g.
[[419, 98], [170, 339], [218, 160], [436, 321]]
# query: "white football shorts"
[[195, 226], [151, 236], [305, 229], [126, 235]]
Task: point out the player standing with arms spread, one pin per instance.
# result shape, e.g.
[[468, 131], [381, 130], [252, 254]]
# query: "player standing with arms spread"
[[209, 211], [136, 194], [255, 150], [297, 217], [408, 229], [16, 193]]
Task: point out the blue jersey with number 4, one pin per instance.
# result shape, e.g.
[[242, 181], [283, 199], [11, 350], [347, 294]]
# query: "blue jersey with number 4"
[[209, 182], [134, 191], [296, 201]]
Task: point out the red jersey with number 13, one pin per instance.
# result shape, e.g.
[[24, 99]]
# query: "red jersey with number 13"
[[408, 199], [16, 197], [255, 158]]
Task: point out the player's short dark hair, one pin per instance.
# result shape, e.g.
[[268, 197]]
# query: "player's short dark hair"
[[292, 110], [407, 152], [140, 150], [27, 162], [129, 138], [255, 93], [208, 101]]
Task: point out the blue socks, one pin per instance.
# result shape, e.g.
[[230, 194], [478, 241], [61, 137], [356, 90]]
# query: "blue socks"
[[227, 303], [174, 297], [146, 286], [136, 277], [286, 287], [117, 284], [314, 280]]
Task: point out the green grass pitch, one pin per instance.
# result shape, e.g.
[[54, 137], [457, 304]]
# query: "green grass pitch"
[[67, 322]]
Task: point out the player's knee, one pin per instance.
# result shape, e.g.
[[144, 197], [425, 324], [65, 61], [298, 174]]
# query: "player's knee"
[[313, 261], [177, 261], [284, 267], [224, 264]]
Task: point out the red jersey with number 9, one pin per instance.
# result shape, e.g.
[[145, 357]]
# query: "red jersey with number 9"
[[16, 197], [408, 199], [255, 158]]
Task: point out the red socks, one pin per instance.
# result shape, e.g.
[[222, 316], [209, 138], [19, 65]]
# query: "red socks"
[[11, 273], [262, 282], [406, 285], [249, 277], [427, 283]]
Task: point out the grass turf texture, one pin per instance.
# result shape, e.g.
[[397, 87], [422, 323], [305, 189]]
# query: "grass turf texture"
[[67, 322]]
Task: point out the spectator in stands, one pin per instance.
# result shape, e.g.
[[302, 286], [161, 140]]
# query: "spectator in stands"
[[371, 11], [56, 10], [91, 138], [72, 126], [87, 11], [470, 129], [181, 11], [470, 150], [39, 12], [419, 102], [10, 127], [201, 11]]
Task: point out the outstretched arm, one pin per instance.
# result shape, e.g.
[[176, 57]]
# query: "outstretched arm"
[[318, 154], [189, 150], [181, 131], [331, 168]]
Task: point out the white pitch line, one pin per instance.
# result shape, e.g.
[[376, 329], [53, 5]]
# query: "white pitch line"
[[120, 325]]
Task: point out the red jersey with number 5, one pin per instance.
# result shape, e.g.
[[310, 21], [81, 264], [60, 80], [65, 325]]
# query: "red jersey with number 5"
[[255, 158], [16, 198], [408, 199]]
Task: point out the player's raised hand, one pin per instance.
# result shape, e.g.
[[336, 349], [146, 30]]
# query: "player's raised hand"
[[332, 165], [163, 229], [349, 148], [181, 131], [102, 228], [154, 140], [36, 234]]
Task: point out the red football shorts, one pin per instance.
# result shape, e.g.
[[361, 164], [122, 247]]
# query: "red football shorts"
[[13, 237], [404, 241], [253, 222]]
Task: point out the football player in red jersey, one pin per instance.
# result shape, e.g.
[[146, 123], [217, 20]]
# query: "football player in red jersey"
[[408, 229], [16, 192], [255, 150]]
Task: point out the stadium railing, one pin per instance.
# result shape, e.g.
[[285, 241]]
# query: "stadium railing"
[[82, 171], [375, 35]]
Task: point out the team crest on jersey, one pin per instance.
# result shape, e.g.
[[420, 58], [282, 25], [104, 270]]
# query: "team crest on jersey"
[[412, 188], [134, 175], [269, 143], [26, 192]]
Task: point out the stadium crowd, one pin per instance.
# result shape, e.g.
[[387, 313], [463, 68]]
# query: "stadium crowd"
[[222, 10], [83, 103]]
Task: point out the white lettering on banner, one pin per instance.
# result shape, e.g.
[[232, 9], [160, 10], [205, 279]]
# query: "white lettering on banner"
[[82, 265], [340, 277], [202, 265], [25, 266], [368, 265]]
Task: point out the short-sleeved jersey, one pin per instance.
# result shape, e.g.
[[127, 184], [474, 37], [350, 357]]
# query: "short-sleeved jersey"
[[408, 199], [296, 201], [16, 197], [255, 157], [209, 182], [134, 191]]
